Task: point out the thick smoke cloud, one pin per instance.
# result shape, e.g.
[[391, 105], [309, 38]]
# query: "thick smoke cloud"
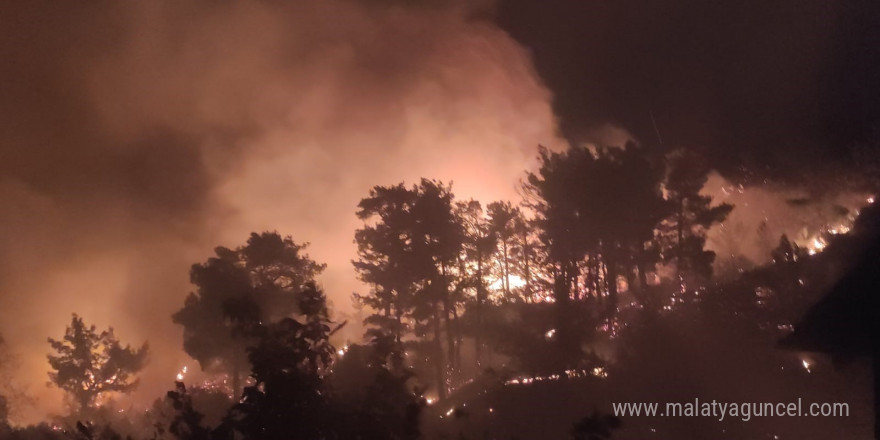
[[781, 89], [138, 135]]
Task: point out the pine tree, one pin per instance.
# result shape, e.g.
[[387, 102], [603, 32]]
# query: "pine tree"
[[596, 205], [387, 258], [89, 364], [409, 249], [480, 243], [502, 218], [682, 235]]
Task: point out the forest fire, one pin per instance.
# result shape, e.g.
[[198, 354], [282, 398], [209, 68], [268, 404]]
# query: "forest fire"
[[429, 220], [567, 374]]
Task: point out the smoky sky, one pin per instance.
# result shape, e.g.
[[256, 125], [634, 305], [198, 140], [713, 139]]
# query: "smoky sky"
[[137, 136], [782, 88]]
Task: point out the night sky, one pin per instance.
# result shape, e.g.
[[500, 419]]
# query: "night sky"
[[784, 88]]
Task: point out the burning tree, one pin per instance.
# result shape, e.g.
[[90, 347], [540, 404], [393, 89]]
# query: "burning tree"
[[88, 364]]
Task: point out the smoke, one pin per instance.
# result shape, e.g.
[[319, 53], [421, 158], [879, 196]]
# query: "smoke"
[[782, 89], [139, 135], [762, 214]]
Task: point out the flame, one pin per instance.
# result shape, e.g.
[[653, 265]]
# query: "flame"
[[515, 283], [816, 245], [569, 374], [181, 374]]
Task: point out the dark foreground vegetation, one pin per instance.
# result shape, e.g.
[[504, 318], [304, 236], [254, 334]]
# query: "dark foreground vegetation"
[[507, 320]]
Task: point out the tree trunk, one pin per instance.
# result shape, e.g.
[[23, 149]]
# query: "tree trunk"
[[85, 404], [440, 365], [527, 271], [680, 245], [236, 380], [564, 338], [388, 312], [593, 276], [450, 335], [447, 320], [631, 283], [506, 269], [458, 340], [478, 337], [611, 268], [643, 284], [604, 287], [643, 275], [399, 329]]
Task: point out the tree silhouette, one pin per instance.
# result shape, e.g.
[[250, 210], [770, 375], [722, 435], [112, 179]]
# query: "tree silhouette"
[[186, 424], [409, 256], [598, 204], [682, 235], [480, 242], [88, 364], [388, 259], [440, 237], [787, 252], [237, 291], [503, 217], [371, 392], [529, 258], [289, 362]]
